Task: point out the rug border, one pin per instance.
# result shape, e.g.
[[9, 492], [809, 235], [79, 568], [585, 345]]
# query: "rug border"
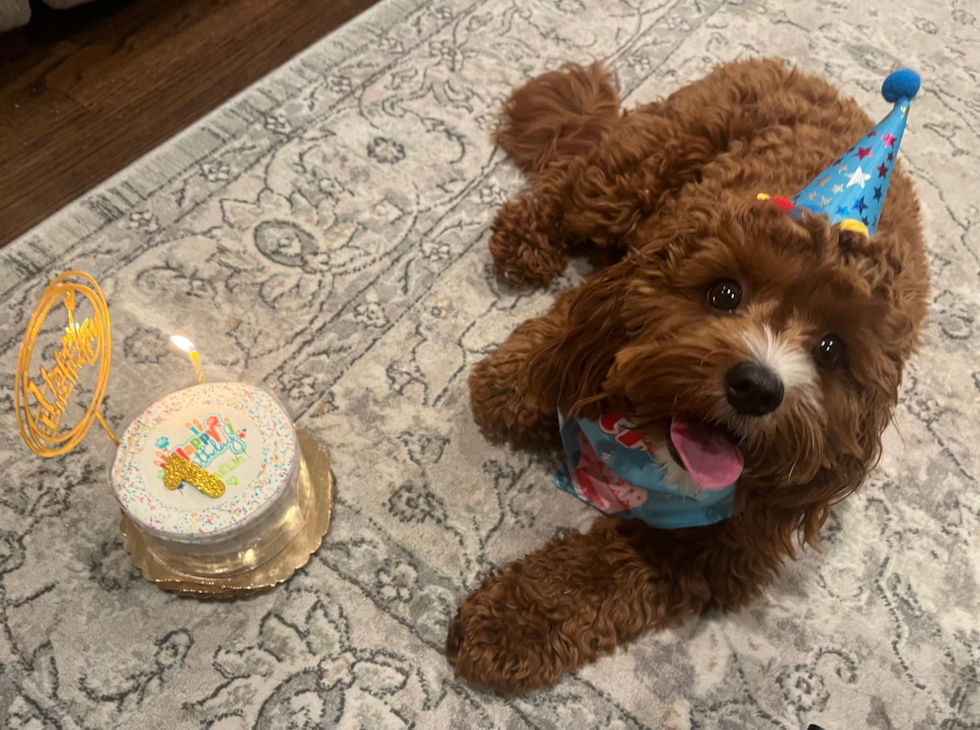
[[129, 188]]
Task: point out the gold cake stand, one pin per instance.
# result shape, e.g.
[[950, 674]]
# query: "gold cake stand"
[[315, 493]]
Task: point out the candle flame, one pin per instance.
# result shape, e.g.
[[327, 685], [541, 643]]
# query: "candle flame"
[[187, 346], [183, 343]]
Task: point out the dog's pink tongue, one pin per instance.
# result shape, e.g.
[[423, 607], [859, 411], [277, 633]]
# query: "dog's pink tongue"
[[713, 461]]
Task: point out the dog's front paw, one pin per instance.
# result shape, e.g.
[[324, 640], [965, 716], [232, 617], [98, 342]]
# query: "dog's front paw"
[[501, 641], [501, 408], [522, 246]]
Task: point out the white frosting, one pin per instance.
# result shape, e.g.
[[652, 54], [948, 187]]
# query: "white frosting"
[[235, 431]]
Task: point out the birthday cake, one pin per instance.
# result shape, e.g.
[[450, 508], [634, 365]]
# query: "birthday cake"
[[208, 468]]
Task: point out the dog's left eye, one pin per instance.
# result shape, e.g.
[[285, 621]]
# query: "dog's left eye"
[[828, 351], [725, 295]]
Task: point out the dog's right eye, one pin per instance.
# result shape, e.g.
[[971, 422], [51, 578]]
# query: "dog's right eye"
[[828, 351], [725, 295]]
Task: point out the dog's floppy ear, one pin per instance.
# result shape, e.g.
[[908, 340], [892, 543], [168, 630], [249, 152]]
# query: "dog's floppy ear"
[[583, 351], [869, 258], [852, 451]]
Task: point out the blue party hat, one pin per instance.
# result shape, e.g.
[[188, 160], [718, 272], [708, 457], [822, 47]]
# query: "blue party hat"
[[852, 190]]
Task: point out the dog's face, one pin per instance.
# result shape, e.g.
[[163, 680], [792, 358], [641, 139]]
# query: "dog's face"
[[773, 340]]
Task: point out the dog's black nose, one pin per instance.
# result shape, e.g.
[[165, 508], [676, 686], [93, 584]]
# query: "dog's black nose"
[[753, 389]]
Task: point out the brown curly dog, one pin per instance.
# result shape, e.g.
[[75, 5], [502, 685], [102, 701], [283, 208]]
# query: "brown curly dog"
[[700, 277]]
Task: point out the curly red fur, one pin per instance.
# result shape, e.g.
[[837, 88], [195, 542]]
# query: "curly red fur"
[[668, 194]]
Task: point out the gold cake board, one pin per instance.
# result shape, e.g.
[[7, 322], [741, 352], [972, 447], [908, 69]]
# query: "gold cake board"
[[315, 492]]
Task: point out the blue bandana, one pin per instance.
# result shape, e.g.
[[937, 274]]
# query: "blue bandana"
[[611, 467]]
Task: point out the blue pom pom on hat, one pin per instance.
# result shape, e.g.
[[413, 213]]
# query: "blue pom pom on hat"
[[901, 84], [852, 190]]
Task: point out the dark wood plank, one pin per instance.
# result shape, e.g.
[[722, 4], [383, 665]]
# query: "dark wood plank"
[[87, 99]]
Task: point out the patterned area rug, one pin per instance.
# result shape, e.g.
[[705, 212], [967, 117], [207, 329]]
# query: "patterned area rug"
[[326, 233]]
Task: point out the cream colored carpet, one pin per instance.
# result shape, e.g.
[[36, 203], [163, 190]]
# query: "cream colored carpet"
[[326, 233]]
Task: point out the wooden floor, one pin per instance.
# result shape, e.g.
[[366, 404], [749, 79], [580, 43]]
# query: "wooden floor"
[[85, 92]]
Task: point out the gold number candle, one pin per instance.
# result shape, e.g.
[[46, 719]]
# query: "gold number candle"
[[177, 469]]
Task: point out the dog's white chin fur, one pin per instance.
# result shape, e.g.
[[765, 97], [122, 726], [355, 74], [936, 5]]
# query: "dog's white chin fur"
[[676, 473]]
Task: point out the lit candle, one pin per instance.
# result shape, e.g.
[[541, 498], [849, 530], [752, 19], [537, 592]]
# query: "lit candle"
[[187, 346]]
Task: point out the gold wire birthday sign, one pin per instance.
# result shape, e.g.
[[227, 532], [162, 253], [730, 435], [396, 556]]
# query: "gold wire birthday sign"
[[42, 400]]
